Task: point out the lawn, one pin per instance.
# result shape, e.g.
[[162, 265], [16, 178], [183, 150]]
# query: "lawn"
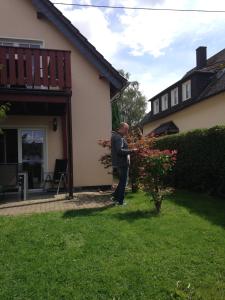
[[118, 252]]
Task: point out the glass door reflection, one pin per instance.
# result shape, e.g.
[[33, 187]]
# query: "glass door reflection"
[[32, 150]]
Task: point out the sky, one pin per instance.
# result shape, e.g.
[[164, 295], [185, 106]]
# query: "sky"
[[156, 47]]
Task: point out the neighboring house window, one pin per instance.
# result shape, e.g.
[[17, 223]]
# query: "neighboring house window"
[[156, 106], [20, 43], [186, 90], [164, 102], [174, 97]]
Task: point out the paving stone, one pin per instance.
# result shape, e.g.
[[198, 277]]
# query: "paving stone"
[[84, 200]]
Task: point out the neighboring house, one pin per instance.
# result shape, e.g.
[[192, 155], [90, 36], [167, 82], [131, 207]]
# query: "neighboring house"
[[60, 98], [195, 101]]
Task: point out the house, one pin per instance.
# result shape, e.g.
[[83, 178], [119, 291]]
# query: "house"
[[197, 100], [59, 87]]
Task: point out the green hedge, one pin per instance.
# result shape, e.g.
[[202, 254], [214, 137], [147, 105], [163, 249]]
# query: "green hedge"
[[200, 160]]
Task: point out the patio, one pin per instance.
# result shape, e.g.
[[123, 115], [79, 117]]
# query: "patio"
[[48, 202]]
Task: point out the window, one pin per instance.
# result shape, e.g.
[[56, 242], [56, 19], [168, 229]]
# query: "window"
[[164, 102], [186, 90], [20, 43], [8, 146], [174, 97], [155, 106]]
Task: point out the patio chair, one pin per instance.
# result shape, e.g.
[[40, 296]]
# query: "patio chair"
[[59, 175], [8, 178]]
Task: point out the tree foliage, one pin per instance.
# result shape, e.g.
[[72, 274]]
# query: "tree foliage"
[[155, 166], [115, 116], [3, 110], [131, 103], [149, 167]]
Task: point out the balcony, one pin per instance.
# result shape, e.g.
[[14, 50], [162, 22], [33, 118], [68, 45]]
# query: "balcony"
[[35, 69]]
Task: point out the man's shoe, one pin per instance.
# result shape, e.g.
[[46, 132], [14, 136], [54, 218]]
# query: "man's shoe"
[[113, 199], [122, 204]]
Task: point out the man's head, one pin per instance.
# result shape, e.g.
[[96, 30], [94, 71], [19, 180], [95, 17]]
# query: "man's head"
[[123, 129]]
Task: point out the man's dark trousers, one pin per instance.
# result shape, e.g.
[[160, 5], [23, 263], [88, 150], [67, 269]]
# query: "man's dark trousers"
[[120, 190]]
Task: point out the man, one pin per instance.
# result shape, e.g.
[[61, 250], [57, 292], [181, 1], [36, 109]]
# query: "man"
[[121, 160]]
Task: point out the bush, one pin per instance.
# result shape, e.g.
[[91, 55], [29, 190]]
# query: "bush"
[[149, 167], [4, 108], [200, 159], [136, 140], [155, 165]]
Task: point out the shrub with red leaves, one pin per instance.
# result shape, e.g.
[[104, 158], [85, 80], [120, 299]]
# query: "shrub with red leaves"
[[149, 167], [135, 140], [155, 166], [106, 159]]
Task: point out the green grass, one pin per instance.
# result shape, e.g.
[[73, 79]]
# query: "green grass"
[[117, 253]]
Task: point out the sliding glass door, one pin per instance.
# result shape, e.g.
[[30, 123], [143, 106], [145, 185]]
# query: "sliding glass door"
[[32, 155]]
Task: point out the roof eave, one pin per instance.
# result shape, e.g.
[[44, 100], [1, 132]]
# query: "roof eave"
[[81, 43], [183, 79], [195, 101]]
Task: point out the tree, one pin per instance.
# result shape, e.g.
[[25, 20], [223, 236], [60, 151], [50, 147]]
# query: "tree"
[[131, 103], [115, 116], [155, 166], [3, 109]]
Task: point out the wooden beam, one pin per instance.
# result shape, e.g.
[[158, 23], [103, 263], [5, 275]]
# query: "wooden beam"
[[64, 136], [70, 146], [38, 97]]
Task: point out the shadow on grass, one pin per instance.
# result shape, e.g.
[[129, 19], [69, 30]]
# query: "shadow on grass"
[[130, 195], [85, 212], [132, 216], [207, 207]]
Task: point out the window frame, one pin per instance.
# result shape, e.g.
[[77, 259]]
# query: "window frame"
[[173, 98], [165, 99], [154, 106], [16, 42], [185, 90]]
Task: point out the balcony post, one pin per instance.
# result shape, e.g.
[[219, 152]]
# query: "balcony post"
[[64, 135], [70, 146]]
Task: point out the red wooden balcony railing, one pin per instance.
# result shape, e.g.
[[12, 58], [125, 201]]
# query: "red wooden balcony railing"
[[35, 68]]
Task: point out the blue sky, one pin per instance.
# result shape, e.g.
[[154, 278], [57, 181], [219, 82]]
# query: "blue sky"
[[156, 48]]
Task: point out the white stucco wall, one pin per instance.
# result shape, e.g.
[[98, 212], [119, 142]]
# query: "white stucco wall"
[[91, 109]]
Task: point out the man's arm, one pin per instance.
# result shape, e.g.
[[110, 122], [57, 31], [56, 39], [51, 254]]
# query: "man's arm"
[[119, 149]]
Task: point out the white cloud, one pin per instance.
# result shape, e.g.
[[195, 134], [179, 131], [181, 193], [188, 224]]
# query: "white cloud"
[[151, 33], [142, 33], [95, 26]]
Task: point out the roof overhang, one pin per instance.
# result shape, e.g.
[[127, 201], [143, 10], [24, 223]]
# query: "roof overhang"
[[165, 128]]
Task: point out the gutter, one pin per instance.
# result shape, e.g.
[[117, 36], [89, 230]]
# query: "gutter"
[[115, 97]]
